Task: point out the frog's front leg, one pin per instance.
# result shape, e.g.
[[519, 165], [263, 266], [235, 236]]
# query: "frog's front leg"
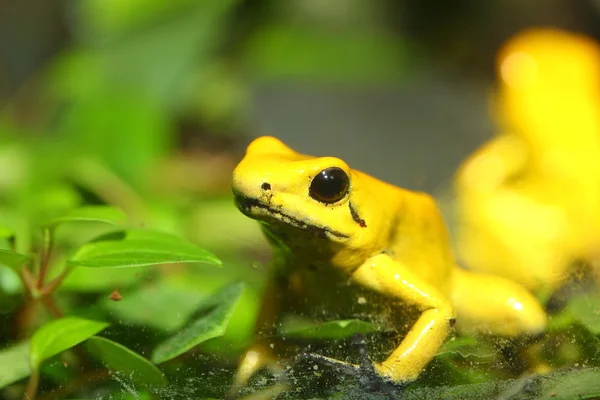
[[260, 353], [393, 279]]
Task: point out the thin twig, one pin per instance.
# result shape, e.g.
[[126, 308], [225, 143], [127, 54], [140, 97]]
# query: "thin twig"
[[28, 280], [32, 385], [52, 306], [49, 288]]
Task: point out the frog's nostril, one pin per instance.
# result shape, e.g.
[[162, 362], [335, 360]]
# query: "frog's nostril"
[[265, 186]]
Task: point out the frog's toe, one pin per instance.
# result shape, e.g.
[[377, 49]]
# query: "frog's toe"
[[371, 374], [338, 365], [366, 374]]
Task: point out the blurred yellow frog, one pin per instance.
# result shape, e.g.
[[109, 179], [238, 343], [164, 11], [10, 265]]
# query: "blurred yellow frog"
[[347, 244], [529, 200]]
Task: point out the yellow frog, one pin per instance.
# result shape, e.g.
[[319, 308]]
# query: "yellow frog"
[[341, 236], [529, 199]]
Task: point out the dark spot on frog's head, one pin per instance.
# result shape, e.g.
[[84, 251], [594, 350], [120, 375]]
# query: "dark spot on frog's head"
[[361, 222], [452, 322], [265, 186]]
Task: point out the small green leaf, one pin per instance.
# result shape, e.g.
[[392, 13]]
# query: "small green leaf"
[[14, 364], [60, 335], [213, 323], [467, 346], [13, 260], [117, 357], [585, 308], [135, 248], [295, 327], [106, 214]]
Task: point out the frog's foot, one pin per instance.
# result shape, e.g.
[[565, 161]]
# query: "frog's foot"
[[369, 375], [256, 357]]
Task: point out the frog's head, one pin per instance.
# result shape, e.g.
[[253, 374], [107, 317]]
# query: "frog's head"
[[316, 196]]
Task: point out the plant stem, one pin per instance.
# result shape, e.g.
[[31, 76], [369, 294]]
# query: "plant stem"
[[28, 280], [55, 283], [45, 258], [52, 306], [32, 385]]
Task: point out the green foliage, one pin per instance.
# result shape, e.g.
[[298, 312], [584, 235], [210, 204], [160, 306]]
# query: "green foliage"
[[285, 51], [219, 309], [131, 365], [60, 335], [105, 214], [582, 384], [302, 328], [13, 260], [585, 309], [14, 364], [43, 275], [135, 248]]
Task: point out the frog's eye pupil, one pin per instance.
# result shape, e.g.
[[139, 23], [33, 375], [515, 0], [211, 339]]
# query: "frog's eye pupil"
[[329, 185]]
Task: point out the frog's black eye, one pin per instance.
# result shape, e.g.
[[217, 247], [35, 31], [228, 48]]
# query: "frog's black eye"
[[330, 185]]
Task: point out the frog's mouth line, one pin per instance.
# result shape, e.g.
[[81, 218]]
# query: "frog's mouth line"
[[245, 204]]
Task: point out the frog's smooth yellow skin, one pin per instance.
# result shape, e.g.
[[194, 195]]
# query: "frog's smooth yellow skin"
[[528, 199], [340, 241]]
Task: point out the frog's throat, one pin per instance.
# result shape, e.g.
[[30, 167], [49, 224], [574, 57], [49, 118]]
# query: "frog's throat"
[[245, 205]]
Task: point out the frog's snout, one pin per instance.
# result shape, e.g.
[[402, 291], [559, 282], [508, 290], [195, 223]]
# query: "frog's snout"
[[247, 185]]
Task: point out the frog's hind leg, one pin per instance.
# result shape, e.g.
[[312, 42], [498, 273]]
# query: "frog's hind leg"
[[495, 305]]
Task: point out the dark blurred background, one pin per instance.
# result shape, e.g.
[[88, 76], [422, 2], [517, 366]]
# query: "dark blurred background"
[[399, 89]]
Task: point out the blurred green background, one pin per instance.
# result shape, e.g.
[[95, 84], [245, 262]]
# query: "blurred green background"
[[148, 104], [369, 81]]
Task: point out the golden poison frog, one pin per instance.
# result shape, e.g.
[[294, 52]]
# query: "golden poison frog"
[[529, 200], [341, 236]]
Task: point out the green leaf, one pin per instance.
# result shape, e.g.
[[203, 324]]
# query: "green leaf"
[[133, 366], [584, 384], [135, 248], [218, 311], [14, 364], [12, 259], [585, 309], [295, 327], [467, 346], [60, 335], [106, 214], [152, 306]]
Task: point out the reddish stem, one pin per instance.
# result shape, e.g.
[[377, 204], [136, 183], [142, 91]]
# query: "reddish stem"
[[52, 306], [55, 283], [27, 279], [32, 385]]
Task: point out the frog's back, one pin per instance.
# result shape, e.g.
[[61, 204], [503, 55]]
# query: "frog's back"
[[417, 235]]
